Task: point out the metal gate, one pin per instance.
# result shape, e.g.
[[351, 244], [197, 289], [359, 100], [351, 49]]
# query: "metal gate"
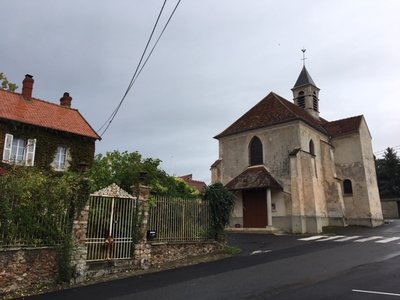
[[113, 216]]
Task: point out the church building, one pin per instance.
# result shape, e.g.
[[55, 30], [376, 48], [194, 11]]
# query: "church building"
[[290, 169]]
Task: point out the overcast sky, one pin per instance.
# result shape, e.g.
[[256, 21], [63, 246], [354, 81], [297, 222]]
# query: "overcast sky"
[[216, 60]]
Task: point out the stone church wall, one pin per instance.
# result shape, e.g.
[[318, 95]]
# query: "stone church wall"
[[277, 143], [354, 161], [370, 174]]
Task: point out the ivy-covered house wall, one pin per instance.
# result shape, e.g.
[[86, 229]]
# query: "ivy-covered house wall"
[[81, 149]]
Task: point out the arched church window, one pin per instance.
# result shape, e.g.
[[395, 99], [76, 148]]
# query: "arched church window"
[[311, 147], [256, 152], [347, 187], [315, 101], [301, 100]]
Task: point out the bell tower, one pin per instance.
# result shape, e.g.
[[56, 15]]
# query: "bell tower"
[[305, 92]]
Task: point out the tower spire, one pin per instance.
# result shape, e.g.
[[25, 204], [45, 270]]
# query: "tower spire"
[[305, 91]]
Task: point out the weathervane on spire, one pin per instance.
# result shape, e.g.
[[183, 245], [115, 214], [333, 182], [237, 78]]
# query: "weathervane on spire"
[[304, 57]]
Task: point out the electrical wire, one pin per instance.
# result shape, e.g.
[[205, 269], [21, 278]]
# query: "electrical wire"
[[158, 39], [140, 68], [381, 152], [114, 113]]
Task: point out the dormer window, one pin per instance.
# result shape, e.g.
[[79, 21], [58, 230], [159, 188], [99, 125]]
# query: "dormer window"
[[256, 152]]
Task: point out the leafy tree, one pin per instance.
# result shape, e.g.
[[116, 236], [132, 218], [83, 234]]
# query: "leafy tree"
[[123, 168], [388, 174], [5, 84], [221, 204]]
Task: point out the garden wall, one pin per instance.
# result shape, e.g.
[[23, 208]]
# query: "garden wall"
[[21, 268], [24, 267], [390, 208], [162, 253]]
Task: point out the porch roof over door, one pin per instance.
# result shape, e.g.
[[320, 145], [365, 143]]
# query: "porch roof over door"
[[253, 177]]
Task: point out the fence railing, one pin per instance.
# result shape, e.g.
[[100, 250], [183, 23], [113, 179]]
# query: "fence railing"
[[34, 229], [179, 220], [112, 227]]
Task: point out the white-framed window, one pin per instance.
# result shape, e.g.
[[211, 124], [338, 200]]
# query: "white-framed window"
[[19, 151], [60, 159]]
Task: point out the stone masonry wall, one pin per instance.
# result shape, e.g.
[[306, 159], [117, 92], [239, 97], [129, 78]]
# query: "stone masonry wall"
[[79, 253], [162, 253], [21, 268]]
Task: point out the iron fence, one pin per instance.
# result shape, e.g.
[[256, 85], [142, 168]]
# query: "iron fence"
[[112, 225], [179, 220], [37, 228]]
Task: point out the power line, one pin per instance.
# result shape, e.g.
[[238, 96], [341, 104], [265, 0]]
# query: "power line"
[[380, 152], [158, 39], [138, 71], [114, 113]]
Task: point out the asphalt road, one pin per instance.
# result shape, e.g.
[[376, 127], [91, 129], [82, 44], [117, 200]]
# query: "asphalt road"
[[353, 263]]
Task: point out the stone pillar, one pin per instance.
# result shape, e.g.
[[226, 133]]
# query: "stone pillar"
[[142, 252], [79, 253], [269, 208], [297, 195]]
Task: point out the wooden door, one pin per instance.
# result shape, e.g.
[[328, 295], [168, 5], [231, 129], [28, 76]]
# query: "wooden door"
[[254, 208]]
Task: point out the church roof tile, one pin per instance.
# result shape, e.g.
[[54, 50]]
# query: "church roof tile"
[[252, 178], [343, 126], [271, 110]]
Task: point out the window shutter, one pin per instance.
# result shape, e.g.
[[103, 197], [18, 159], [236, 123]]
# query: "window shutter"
[[30, 152], [7, 147]]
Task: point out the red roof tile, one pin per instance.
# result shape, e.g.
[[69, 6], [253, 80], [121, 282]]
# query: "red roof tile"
[[198, 185], [44, 114], [343, 126], [271, 110], [252, 178]]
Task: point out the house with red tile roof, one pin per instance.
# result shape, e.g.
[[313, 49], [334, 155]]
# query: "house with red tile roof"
[[34, 132], [196, 184], [293, 170]]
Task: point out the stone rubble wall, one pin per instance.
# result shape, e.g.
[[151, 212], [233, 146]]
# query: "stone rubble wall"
[[390, 209], [79, 253], [24, 267], [162, 253]]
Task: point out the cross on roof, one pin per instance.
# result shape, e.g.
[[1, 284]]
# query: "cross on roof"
[[304, 57]]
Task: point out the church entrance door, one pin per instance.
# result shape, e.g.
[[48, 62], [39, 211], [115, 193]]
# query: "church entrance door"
[[254, 208]]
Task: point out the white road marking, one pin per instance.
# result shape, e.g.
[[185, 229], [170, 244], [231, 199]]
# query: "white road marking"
[[371, 238], [395, 238], [260, 252], [331, 238], [311, 238], [348, 238], [375, 292]]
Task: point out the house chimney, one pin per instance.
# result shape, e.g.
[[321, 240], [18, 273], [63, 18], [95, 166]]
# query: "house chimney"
[[66, 100], [27, 87]]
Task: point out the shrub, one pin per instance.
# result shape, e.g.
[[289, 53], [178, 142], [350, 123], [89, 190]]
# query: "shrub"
[[221, 203]]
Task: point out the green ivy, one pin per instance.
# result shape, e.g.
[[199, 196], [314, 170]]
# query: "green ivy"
[[47, 141], [221, 203], [38, 209]]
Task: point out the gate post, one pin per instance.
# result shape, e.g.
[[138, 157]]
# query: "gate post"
[[79, 251], [142, 253]]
